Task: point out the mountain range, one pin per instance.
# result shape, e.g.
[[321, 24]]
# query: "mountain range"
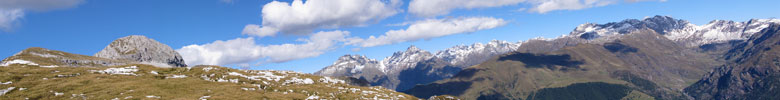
[[656, 57], [405, 69]]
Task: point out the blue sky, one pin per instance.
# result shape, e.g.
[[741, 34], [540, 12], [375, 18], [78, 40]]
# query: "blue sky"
[[88, 26]]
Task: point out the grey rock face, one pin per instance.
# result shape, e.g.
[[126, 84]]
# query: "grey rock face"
[[144, 50]]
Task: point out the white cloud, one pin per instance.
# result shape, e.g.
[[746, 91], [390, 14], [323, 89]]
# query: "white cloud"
[[544, 6], [301, 17], [13, 10], [8, 18], [431, 8], [256, 30], [244, 50], [430, 28]]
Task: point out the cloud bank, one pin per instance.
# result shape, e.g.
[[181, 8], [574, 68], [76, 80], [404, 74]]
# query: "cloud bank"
[[244, 50], [301, 17], [430, 28]]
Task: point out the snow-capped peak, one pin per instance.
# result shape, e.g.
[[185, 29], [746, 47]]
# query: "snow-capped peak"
[[407, 59], [719, 31], [679, 30], [348, 63], [462, 54]]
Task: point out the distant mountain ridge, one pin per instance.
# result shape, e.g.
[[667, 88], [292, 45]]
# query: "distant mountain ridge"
[[386, 72], [717, 31]]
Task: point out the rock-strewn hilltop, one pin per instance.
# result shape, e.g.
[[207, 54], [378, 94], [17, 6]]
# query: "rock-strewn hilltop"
[[142, 49]]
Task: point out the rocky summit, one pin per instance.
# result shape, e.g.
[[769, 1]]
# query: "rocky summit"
[[142, 49]]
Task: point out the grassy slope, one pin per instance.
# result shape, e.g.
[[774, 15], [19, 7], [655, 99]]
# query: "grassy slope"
[[84, 82]]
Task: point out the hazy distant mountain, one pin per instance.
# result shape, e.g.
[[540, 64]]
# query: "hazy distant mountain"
[[414, 66], [655, 57]]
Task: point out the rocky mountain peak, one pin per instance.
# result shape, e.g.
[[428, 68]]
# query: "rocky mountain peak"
[[413, 49], [406, 59], [682, 31], [142, 49], [660, 24], [354, 58]]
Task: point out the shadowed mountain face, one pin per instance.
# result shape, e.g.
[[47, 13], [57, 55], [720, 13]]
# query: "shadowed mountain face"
[[752, 72], [584, 91], [540, 61]]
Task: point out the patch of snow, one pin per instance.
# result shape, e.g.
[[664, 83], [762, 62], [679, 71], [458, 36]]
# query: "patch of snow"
[[18, 61], [204, 97], [313, 97], [228, 80], [152, 96], [118, 71], [368, 92], [154, 72], [22, 89], [49, 66], [3, 91], [58, 93], [207, 69], [260, 74], [177, 76], [6, 83], [331, 80], [248, 89], [295, 80]]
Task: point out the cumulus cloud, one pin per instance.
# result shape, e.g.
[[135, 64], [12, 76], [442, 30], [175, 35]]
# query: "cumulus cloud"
[[301, 17], [244, 50], [13, 10], [430, 8], [430, 28]]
